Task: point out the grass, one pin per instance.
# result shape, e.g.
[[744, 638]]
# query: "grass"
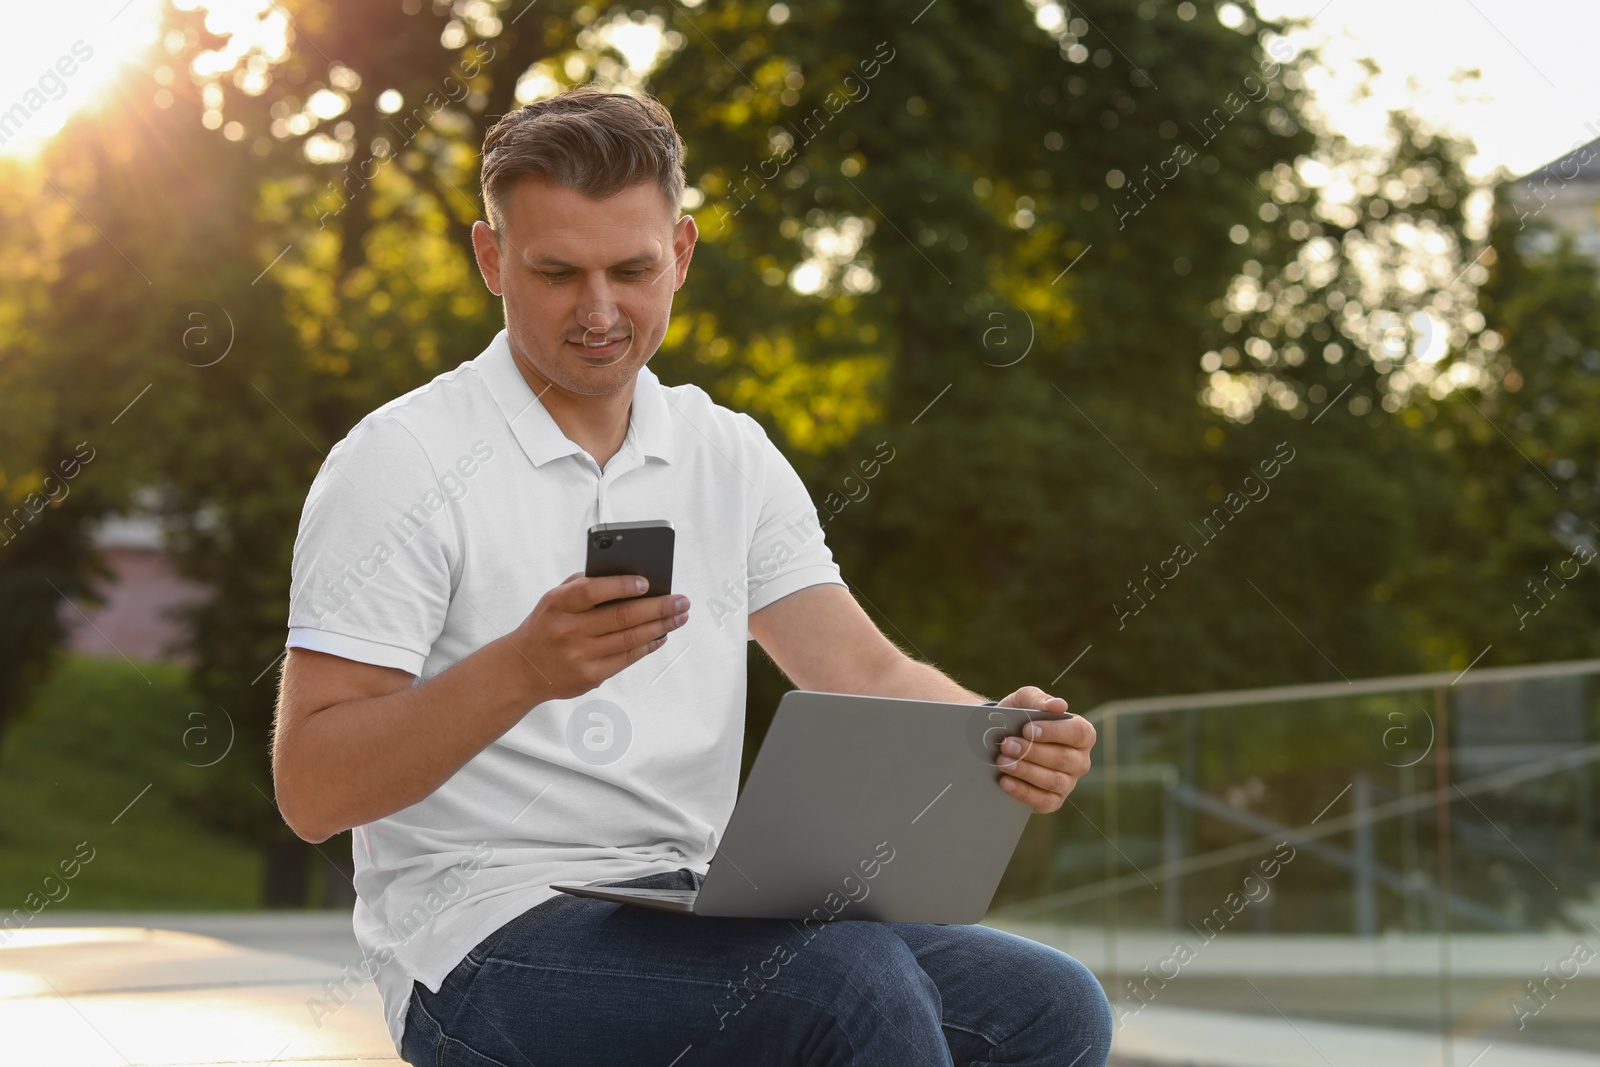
[[98, 733]]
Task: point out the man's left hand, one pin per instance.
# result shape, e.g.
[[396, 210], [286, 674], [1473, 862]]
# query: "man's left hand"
[[1043, 765]]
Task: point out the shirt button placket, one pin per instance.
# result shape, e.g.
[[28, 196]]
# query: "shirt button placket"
[[612, 472]]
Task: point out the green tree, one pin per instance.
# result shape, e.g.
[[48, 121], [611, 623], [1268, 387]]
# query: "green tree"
[[968, 263], [1515, 559], [49, 493], [1331, 329]]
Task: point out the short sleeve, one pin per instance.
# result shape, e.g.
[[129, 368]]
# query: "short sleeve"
[[787, 550], [371, 576]]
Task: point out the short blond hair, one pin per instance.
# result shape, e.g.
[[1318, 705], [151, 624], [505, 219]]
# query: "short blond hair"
[[587, 139]]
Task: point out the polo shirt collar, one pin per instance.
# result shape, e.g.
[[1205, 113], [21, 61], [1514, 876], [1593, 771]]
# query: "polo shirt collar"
[[649, 420]]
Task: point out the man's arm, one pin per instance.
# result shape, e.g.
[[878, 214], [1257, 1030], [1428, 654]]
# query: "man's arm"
[[354, 742], [822, 640]]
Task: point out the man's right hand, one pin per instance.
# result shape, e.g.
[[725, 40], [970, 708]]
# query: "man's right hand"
[[573, 640], [355, 742]]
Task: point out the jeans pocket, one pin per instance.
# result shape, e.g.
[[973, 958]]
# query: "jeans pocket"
[[425, 1043], [453, 1053], [419, 1042]]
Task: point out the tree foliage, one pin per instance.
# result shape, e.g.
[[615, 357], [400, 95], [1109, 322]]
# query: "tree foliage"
[[1035, 297]]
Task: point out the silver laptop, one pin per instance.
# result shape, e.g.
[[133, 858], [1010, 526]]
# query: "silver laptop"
[[862, 807]]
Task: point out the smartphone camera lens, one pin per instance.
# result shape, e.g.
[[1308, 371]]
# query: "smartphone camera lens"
[[603, 541]]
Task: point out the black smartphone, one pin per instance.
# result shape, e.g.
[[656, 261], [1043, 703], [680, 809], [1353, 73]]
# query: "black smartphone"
[[643, 548]]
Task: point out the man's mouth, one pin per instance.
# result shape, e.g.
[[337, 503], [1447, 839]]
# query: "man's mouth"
[[601, 347]]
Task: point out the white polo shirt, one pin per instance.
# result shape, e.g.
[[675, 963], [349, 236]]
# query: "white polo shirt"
[[433, 529]]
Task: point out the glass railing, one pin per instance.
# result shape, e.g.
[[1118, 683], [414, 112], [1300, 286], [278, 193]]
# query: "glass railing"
[[1395, 864]]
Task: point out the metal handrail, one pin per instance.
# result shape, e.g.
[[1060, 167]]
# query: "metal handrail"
[[1363, 687], [1311, 832]]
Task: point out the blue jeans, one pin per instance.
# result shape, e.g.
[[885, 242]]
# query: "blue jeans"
[[576, 981]]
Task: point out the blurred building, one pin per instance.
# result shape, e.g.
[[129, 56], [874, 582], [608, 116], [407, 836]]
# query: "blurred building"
[[136, 619], [1564, 194]]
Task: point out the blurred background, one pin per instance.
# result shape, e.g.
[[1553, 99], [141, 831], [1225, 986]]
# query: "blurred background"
[[1129, 349]]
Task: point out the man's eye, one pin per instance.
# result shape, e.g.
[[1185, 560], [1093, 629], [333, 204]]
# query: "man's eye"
[[556, 275], [636, 273]]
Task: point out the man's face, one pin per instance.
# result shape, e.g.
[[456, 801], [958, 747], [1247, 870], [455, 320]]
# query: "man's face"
[[587, 283]]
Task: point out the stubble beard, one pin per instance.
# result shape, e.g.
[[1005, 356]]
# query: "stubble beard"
[[566, 371]]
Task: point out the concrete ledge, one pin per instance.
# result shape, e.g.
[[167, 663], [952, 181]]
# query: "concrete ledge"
[[321, 935], [1183, 1036], [1390, 955], [137, 996], [132, 997]]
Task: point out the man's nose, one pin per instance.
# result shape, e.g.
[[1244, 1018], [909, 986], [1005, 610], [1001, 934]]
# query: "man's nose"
[[597, 309]]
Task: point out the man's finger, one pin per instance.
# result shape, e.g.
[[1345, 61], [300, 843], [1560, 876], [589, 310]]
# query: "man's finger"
[[579, 592], [1031, 696], [620, 642], [612, 664], [1076, 732], [1063, 757], [1054, 777], [585, 592], [1039, 800], [632, 614]]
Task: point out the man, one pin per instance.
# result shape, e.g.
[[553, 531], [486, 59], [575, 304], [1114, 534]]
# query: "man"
[[482, 751]]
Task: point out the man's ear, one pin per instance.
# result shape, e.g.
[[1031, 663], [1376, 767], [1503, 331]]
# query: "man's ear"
[[683, 242], [486, 245]]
